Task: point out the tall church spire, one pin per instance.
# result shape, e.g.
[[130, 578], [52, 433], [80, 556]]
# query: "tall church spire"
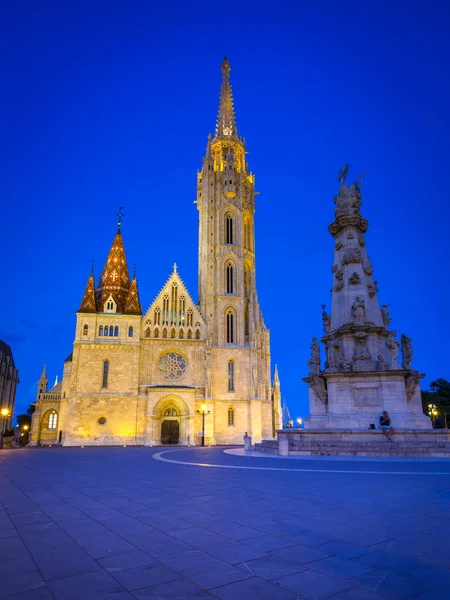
[[226, 121], [115, 280]]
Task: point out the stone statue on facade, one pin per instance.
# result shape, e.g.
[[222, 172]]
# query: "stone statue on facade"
[[372, 289], [361, 351], [354, 279], [359, 310], [348, 200], [407, 351], [351, 256], [393, 347], [411, 383], [367, 267], [339, 281], [385, 315], [381, 363], [326, 320], [314, 361], [318, 384]]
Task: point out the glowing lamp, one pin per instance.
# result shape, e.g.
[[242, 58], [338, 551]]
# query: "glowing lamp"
[[5, 412]]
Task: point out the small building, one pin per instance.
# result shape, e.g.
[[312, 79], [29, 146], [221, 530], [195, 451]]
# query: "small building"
[[9, 378]]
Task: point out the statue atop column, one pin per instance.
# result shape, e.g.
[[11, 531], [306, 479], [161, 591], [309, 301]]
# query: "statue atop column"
[[348, 200]]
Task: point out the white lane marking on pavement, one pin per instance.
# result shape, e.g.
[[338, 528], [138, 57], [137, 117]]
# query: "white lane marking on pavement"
[[159, 456]]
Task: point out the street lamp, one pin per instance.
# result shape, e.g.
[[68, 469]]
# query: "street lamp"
[[203, 412], [299, 421], [4, 414], [433, 411]]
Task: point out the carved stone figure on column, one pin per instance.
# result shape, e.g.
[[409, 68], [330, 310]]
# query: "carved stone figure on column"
[[407, 351], [372, 288], [361, 351], [385, 315], [411, 383], [359, 310], [314, 361], [381, 363], [326, 321], [318, 384], [354, 279], [339, 280], [393, 347]]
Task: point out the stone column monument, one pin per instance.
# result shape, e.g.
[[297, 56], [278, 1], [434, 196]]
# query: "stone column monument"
[[361, 375]]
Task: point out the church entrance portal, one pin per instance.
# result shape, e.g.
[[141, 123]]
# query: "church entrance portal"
[[170, 432]]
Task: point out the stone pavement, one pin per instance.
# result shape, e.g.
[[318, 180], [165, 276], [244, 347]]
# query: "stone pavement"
[[82, 523]]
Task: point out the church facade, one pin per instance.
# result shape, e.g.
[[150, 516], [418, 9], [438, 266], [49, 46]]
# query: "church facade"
[[181, 372]]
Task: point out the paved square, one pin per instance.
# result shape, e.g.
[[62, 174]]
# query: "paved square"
[[81, 523]]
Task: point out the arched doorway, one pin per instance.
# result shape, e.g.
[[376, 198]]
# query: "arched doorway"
[[170, 426], [171, 421]]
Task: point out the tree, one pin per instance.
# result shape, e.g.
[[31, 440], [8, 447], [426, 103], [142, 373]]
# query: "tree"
[[439, 396], [23, 420]]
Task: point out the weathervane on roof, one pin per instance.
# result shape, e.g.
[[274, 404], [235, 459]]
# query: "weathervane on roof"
[[120, 215]]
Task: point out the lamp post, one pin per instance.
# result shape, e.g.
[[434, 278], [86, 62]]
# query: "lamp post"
[[203, 412], [299, 422], [25, 432]]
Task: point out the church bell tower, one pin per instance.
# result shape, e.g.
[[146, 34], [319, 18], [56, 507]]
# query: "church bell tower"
[[225, 200]]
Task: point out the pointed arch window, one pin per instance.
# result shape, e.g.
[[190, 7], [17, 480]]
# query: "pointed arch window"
[[181, 336], [165, 318], [229, 229], [230, 326], [157, 316], [85, 330], [164, 333], [147, 332], [173, 317], [190, 317], [231, 417], [189, 334], [130, 331], [172, 333], [105, 374], [106, 331], [197, 334], [100, 330], [231, 376], [182, 309], [156, 334], [116, 331], [53, 420], [229, 277]]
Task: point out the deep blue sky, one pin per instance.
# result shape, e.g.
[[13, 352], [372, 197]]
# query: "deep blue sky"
[[108, 103]]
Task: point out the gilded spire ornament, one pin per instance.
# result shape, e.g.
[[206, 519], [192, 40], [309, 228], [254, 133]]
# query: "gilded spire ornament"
[[226, 121]]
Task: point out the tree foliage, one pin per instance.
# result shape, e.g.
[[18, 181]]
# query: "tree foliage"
[[439, 394]]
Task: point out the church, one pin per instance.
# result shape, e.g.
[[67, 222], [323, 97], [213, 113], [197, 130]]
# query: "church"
[[180, 372]]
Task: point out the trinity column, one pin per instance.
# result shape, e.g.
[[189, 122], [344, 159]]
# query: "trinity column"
[[361, 376]]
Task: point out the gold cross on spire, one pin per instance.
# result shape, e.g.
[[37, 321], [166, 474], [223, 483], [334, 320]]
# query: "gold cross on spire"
[[175, 268]]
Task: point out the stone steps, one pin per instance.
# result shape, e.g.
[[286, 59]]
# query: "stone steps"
[[360, 448]]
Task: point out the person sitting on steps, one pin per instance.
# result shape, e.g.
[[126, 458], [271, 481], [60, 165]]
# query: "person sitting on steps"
[[386, 427]]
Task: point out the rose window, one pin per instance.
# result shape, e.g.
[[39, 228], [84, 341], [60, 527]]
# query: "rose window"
[[172, 365]]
